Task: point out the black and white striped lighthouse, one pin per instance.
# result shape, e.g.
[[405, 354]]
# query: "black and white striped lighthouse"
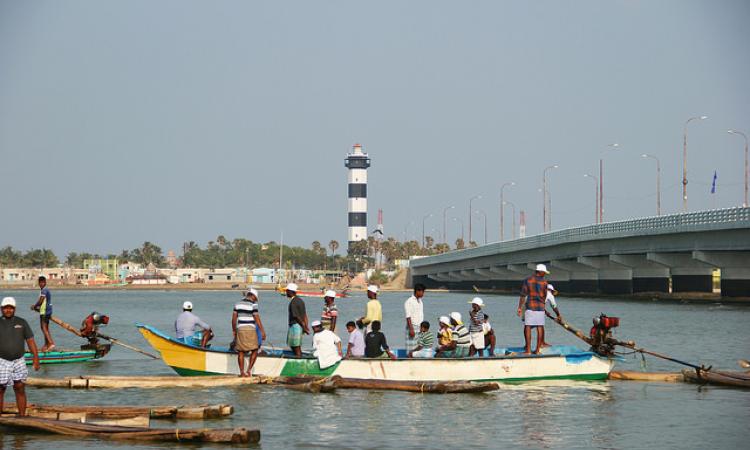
[[357, 162]]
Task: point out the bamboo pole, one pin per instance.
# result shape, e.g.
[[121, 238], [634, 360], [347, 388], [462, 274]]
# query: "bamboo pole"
[[627, 375], [90, 382], [154, 412]]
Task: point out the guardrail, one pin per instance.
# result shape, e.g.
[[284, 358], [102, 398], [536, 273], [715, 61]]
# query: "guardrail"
[[674, 223]]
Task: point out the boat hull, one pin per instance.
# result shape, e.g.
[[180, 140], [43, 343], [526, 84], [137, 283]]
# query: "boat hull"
[[62, 357], [188, 360]]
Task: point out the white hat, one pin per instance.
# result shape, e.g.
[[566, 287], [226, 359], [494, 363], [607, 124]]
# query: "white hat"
[[315, 323], [541, 268], [445, 320], [456, 316], [291, 287], [477, 301], [372, 288], [252, 291], [330, 293], [9, 301], [187, 305]]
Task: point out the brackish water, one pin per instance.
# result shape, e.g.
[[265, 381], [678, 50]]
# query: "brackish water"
[[534, 415]]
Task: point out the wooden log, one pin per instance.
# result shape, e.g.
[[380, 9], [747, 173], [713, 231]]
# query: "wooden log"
[[415, 386], [84, 417], [121, 412], [628, 375], [100, 382], [68, 428], [324, 385], [733, 379]]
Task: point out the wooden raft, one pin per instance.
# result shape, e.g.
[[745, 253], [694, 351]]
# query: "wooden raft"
[[721, 378], [630, 375], [124, 412], [69, 428], [144, 382]]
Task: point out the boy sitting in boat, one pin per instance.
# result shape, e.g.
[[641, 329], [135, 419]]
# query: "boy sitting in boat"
[[375, 343], [425, 341]]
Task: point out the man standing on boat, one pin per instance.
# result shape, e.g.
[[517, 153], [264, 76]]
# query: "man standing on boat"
[[186, 323], [476, 327], [44, 307], [533, 298], [414, 311], [297, 320], [14, 331], [330, 312], [374, 308], [245, 325], [551, 293]]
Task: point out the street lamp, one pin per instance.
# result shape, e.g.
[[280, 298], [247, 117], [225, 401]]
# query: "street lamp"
[[406, 228], [545, 197], [445, 218], [423, 219], [458, 219], [745, 204], [596, 199], [479, 211], [502, 209], [471, 200], [601, 183], [658, 181], [513, 218], [684, 160]]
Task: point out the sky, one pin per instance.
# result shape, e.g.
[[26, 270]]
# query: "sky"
[[130, 121]]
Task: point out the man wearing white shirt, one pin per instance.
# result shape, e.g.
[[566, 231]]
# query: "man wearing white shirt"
[[414, 312], [327, 346], [551, 292]]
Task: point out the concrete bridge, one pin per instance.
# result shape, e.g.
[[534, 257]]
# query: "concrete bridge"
[[674, 253]]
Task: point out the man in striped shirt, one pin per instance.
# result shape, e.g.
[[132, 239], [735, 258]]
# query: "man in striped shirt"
[[425, 341], [476, 330], [460, 340], [245, 323]]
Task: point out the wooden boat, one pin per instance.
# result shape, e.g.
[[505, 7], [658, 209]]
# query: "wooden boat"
[[557, 362], [721, 378], [70, 356]]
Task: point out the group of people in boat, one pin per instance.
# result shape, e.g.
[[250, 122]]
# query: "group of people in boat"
[[455, 338]]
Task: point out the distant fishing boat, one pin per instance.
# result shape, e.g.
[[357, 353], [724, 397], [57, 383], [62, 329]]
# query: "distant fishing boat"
[[69, 356], [557, 362], [321, 294]]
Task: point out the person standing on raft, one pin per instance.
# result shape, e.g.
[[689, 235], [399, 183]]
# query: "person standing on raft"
[[533, 299], [44, 307]]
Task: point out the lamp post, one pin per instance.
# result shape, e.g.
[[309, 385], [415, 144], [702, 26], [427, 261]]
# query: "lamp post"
[[745, 203], [684, 160], [545, 195], [596, 195], [406, 229], [423, 219], [479, 211], [658, 181], [601, 183], [502, 209], [513, 218], [445, 219], [471, 200], [458, 219]]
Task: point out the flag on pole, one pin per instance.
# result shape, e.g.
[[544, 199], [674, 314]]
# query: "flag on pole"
[[713, 184]]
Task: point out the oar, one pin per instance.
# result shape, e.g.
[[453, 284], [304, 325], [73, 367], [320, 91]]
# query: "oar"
[[630, 345], [77, 332]]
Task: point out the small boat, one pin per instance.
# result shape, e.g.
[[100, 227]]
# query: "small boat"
[[321, 294], [508, 365], [86, 353]]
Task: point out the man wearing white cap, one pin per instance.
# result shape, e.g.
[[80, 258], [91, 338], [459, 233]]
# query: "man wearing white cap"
[[327, 346], [185, 326], [533, 298], [248, 331], [414, 312], [460, 339], [476, 326], [297, 320], [14, 331], [551, 293], [374, 308], [330, 312]]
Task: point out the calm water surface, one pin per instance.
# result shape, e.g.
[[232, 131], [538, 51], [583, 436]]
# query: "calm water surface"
[[535, 415]]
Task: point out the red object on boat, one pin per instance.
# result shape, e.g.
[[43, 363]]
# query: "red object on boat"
[[610, 322]]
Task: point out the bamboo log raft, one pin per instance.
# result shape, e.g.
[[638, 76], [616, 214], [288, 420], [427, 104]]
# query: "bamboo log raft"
[[143, 421], [733, 379], [454, 387], [69, 428], [628, 375], [121, 382], [123, 412]]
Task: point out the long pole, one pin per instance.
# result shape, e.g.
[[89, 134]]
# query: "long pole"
[[684, 161], [658, 182], [470, 210], [596, 196], [600, 204], [745, 203], [513, 218], [502, 209], [546, 213], [445, 220], [479, 211], [458, 219], [423, 219]]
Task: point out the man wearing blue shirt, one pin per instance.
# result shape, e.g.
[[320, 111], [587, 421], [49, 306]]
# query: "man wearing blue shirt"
[[44, 307]]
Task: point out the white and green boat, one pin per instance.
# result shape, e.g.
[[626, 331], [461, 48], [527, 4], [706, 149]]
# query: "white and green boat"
[[557, 362]]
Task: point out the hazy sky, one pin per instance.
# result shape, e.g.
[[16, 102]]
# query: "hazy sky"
[[126, 121]]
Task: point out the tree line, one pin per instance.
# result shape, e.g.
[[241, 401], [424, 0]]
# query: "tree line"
[[240, 252]]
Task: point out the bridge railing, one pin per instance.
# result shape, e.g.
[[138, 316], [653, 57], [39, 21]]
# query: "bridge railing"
[[673, 223]]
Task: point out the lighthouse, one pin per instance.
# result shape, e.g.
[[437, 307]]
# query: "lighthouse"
[[357, 162]]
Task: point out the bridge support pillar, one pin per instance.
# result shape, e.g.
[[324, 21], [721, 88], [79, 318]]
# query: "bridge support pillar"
[[581, 278], [647, 276], [613, 277], [735, 273], [688, 274]]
